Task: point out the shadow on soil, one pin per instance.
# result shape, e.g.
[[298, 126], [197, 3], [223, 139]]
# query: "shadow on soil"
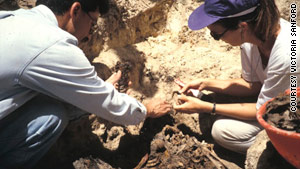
[[79, 141]]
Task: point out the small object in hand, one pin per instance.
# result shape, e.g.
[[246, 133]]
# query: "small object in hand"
[[175, 93], [195, 93]]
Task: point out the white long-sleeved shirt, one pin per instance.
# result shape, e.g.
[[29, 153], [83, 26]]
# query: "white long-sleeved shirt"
[[36, 56]]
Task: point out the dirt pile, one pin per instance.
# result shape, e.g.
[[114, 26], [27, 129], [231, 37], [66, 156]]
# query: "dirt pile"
[[278, 114]]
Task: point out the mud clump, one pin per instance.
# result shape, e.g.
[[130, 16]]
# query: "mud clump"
[[125, 68], [278, 114]]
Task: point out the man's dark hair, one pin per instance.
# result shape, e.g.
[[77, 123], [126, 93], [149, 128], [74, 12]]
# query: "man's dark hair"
[[59, 7]]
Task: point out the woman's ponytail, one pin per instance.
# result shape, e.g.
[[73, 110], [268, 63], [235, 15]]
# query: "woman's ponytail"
[[265, 25]]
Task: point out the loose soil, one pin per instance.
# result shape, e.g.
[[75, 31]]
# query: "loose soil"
[[278, 114]]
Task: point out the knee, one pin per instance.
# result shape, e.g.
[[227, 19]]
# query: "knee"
[[230, 135], [49, 122], [225, 136], [45, 130], [39, 125], [219, 133], [54, 121]]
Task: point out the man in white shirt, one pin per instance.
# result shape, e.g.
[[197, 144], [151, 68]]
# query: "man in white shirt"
[[42, 67]]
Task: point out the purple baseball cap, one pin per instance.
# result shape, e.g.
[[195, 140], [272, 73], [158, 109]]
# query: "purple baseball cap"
[[214, 10]]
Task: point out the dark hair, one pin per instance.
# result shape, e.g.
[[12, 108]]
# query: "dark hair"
[[59, 7], [264, 20]]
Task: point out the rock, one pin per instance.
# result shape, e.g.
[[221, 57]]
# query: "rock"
[[16, 4], [8, 4], [103, 71], [26, 4], [263, 155], [255, 151], [91, 163]]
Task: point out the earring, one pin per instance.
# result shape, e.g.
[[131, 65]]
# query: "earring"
[[242, 35]]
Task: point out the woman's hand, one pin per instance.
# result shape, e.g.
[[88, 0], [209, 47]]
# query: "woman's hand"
[[198, 84], [157, 108], [187, 104]]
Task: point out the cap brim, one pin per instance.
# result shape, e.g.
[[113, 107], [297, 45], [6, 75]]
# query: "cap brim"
[[199, 19]]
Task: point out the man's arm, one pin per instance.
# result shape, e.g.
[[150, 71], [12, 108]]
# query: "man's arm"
[[63, 72]]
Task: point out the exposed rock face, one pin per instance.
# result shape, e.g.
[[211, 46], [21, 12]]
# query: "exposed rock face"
[[8, 5], [128, 22], [15, 4]]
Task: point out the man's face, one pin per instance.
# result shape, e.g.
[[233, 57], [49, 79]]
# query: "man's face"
[[84, 24]]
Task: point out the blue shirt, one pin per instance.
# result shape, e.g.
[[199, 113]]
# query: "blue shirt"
[[36, 56]]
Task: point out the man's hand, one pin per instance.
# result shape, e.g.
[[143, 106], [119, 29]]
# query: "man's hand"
[[115, 77], [157, 108]]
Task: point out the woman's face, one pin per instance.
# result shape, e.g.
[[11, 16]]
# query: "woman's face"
[[233, 37]]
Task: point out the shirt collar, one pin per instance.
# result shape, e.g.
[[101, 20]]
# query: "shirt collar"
[[47, 13]]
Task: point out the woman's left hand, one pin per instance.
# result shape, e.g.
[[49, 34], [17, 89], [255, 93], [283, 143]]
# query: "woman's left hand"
[[187, 104]]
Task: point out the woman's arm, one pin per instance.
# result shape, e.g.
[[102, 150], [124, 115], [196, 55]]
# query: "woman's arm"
[[243, 111], [234, 87]]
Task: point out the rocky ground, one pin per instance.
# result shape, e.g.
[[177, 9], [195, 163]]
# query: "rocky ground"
[[152, 35]]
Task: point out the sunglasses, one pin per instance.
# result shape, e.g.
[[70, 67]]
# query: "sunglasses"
[[218, 36]]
